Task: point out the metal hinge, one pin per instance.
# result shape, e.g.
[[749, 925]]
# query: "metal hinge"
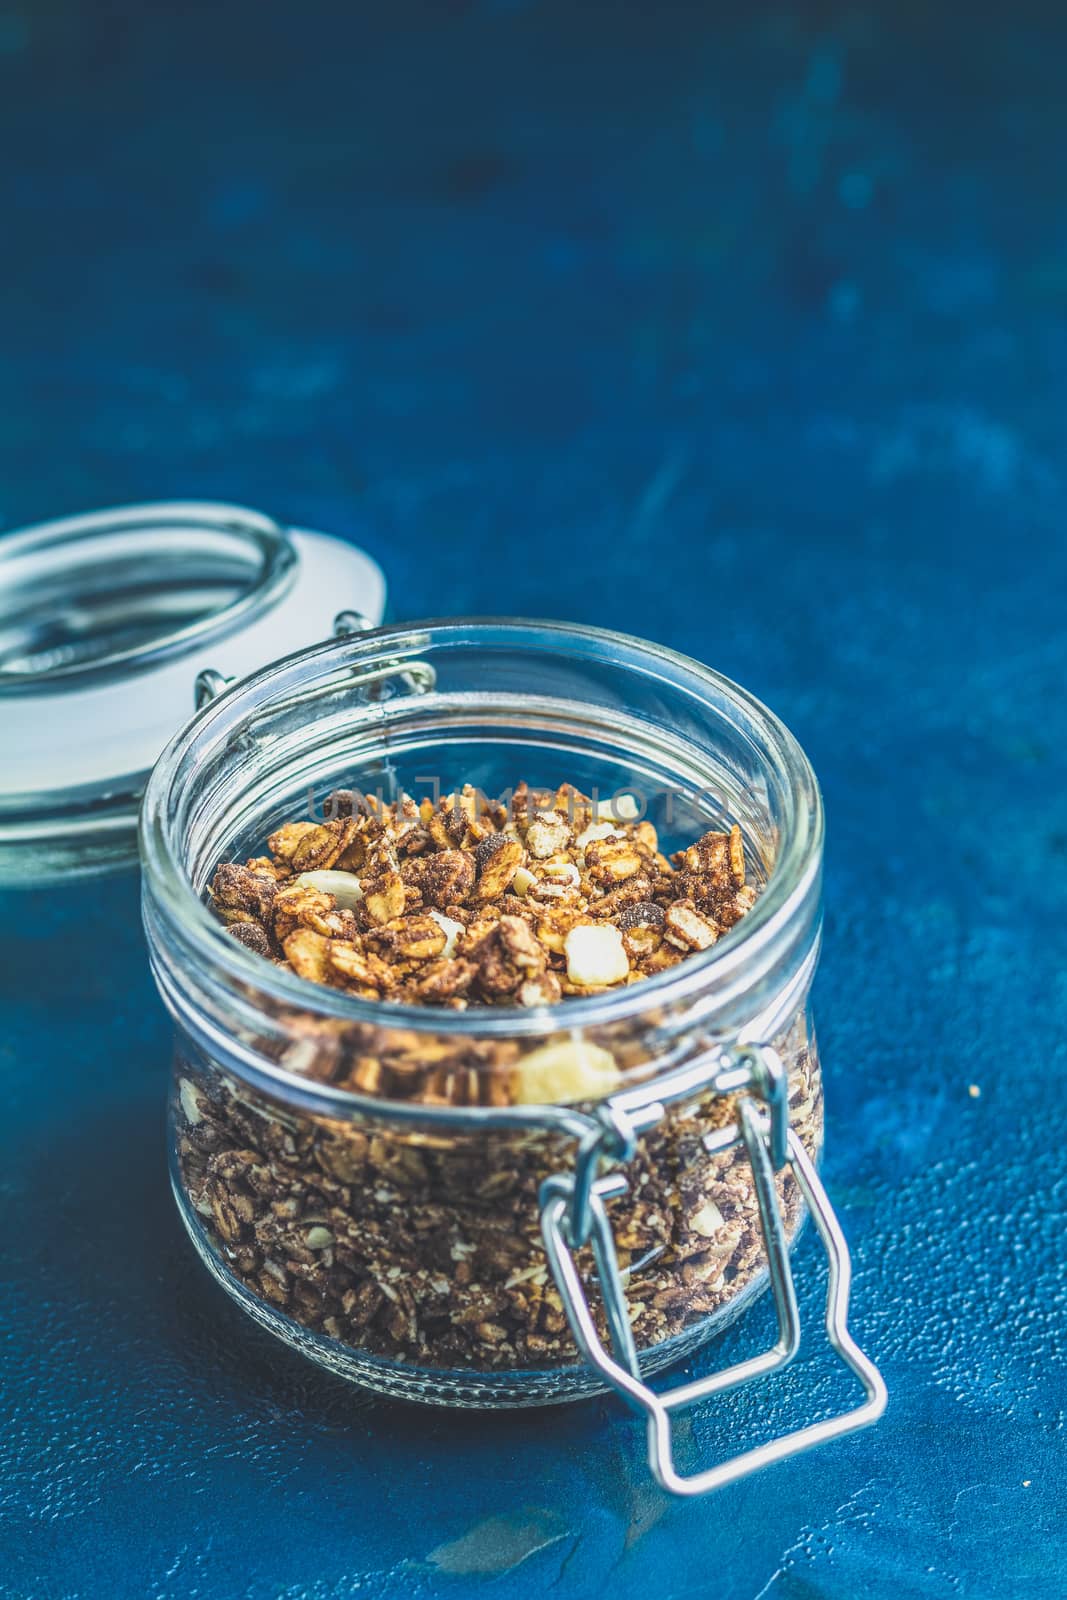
[[573, 1213], [418, 677]]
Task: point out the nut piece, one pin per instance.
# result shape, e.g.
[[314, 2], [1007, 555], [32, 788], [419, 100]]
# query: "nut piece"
[[559, 880], [687, 929], [707, 1221], [547, 835], [344, 886], [596, 830], [543, 991], [571, 1069], [609, 861], [624, 807], [522, 882], [595, 955]]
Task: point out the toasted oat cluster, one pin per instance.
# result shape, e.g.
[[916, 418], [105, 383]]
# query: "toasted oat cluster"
[[427, 1250], [471, 902]]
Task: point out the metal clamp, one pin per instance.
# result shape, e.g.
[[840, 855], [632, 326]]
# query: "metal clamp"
[[569, 1200]]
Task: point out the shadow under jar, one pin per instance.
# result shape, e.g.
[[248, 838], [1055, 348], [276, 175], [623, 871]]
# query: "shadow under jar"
[[361, 1175]]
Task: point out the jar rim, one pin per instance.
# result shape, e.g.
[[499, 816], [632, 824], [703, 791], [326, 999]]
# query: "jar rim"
[[789, 885]]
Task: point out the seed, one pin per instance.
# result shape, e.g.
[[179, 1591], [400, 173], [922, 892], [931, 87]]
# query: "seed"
[[344, 886], [190, 1103], [452, 930]]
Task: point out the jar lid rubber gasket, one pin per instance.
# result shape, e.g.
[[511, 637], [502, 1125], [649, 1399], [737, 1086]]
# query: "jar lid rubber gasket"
[[106, 621]]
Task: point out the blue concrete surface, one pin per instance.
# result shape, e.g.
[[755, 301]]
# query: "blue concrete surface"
[[745, 334]]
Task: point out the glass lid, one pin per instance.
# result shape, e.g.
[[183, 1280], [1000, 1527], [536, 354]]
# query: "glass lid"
[[108, 621]]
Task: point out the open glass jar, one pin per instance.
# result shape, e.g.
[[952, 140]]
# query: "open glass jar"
[[362, 1176]]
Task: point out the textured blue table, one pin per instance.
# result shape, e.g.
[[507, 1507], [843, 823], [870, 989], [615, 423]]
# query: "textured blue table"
[[751, 337]]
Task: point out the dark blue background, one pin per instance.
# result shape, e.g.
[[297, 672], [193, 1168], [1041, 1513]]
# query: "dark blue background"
[[749, 336]]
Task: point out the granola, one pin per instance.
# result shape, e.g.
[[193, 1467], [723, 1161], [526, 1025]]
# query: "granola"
[[423, 1247], [470, 902], [427, 1250]]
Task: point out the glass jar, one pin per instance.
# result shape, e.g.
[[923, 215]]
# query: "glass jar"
[[363, 1178]]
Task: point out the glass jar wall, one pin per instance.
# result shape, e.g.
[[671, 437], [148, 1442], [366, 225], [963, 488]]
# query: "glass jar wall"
[[330, 1179], [411, 1259]]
